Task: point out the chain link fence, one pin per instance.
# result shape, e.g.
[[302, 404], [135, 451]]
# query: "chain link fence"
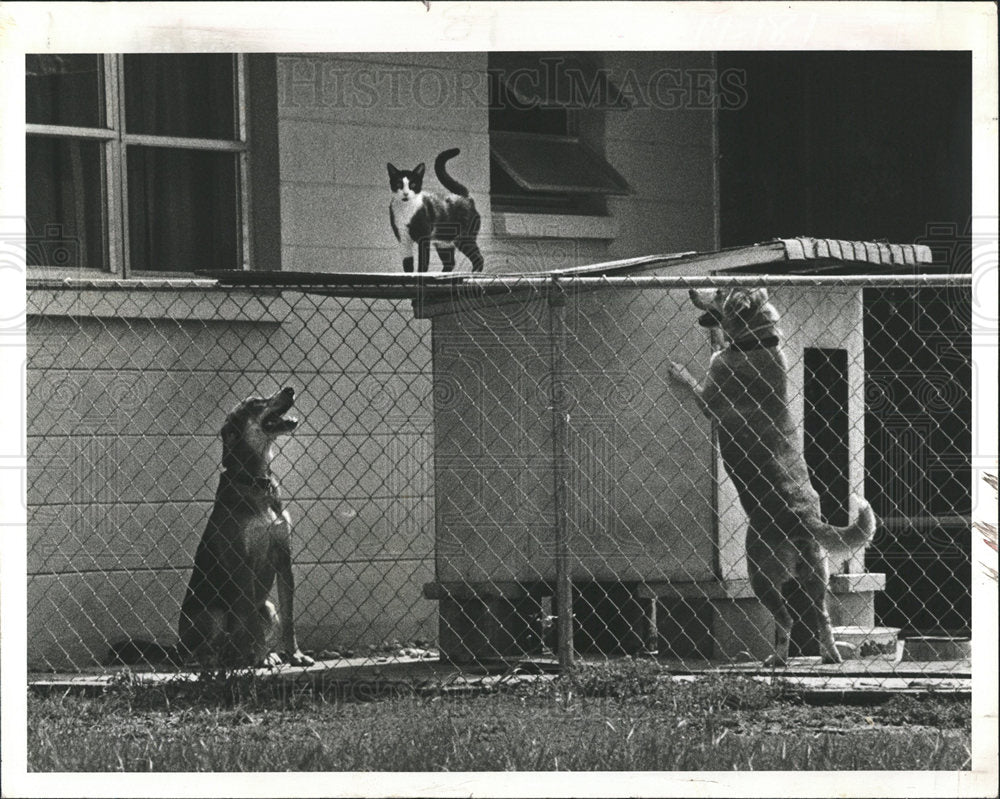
[[493, 469]]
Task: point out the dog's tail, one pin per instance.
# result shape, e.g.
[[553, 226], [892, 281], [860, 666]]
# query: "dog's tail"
[[139, 651], [854, 536], [447, 180]]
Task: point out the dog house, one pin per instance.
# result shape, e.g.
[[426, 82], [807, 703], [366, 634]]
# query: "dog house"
[[540, 402]]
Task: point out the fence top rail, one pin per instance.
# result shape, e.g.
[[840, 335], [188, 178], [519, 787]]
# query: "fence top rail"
[[435, 285], [122, 284], [723, 281]]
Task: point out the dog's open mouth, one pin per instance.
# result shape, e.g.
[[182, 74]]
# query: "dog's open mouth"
[[274, 420]]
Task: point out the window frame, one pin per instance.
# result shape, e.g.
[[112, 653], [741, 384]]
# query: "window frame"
[[547, 203], [114, 189]]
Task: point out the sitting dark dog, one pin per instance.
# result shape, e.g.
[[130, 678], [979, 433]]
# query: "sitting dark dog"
[[746, 394], [226, 618]]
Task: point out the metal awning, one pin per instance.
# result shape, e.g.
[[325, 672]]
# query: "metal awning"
[[555, 164]]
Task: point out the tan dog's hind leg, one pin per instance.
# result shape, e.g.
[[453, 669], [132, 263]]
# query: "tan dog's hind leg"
[[769, 567], [767, 574], [813, 577], [770, 596]]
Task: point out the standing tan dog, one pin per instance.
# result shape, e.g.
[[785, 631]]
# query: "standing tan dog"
[[746, 395], [226, 618]]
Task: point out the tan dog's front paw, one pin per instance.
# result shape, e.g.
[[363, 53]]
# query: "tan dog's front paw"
[[842, 651], [680, 374]]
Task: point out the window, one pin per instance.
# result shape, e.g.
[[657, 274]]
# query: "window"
[[138, 163], [539, 159]]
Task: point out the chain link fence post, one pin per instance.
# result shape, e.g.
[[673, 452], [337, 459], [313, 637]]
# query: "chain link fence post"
[[560, 421]]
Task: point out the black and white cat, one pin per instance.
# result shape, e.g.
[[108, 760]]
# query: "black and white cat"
[[423, 218]]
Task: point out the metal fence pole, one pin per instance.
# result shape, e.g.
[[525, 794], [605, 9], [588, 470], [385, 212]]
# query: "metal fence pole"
[[560, 420]]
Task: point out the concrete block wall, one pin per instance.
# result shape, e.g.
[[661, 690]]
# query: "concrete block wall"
[[124, 457], [663, 146]]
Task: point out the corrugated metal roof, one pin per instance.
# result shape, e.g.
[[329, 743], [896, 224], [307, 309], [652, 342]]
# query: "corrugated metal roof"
[[872, 252], [857, 256]]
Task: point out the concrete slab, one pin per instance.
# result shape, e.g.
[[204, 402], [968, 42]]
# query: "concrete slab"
[[852, 679]]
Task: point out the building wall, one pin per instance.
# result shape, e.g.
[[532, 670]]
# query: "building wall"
[[635, 512], [664, 148], [663, 145], [124, 457], [341, 118], [644, 502], [127, 392]]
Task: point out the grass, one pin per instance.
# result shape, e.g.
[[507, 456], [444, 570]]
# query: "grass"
[[607, 718]]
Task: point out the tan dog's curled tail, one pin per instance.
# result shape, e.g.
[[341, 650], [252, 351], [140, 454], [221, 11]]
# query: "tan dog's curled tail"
[[854, 536]]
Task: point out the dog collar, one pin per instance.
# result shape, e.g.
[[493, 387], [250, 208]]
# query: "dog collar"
[[263, 483], [745, 344]]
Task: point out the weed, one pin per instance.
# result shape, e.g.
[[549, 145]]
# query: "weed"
[[627, 715], [943, 712], [582, 721]]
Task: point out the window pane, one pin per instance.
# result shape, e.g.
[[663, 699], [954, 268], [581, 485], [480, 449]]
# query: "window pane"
[[181, 95], [65, 203], [64, 90], [183, 210], [507, 113], [533, 87]]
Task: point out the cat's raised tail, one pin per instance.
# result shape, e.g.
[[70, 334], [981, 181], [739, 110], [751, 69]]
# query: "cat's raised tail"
[[447, 180]]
